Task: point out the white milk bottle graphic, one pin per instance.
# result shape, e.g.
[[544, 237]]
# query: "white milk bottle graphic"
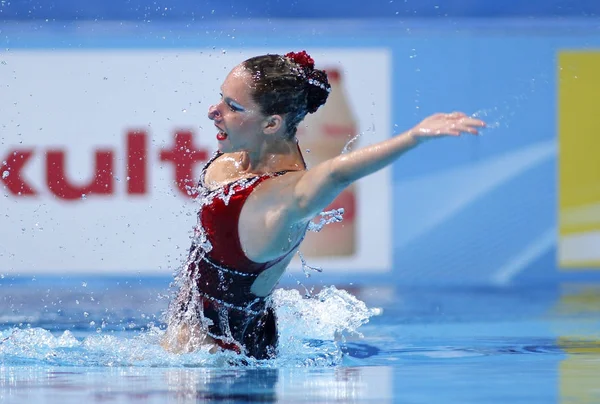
[[324, 135]]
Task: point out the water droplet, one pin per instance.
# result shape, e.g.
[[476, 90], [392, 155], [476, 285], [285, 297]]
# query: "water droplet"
[[328, 217], [76, 301], [83, 196], [86, 314], [184, 110], [5, 174], [84, 284]]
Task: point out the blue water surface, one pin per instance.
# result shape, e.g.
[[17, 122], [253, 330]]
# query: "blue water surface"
[[73, 340]]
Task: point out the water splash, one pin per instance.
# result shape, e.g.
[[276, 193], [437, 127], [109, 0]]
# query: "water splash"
[[351, 143], [312, 330], [497, 115], [328, 217], [502, 115], [40, 346], [307, 268], [332, 314]]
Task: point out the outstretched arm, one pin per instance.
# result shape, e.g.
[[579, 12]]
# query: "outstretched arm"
[[319, 186]]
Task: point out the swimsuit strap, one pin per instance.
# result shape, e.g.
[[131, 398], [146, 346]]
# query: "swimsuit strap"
[[215, 156]]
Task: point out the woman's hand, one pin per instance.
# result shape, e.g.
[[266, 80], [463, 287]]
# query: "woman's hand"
[[441, 125]]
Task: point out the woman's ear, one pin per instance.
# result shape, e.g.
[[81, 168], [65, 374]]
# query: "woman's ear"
[[273, 124]]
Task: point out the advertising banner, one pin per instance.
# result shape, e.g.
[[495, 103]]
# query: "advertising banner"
[[101, 147]]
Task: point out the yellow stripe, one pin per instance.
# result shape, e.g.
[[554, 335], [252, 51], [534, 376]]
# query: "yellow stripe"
[[579, 370], [579, 144]]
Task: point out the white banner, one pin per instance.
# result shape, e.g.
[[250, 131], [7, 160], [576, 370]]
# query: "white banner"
[[95, 146]]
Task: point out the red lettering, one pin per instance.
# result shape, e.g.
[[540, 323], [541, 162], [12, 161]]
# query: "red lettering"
[[101, 183], [184, 156], [15, 162], [136, 162]]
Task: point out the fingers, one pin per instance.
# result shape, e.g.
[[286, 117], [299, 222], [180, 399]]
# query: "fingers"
[[473, 122], [456, 114], [464, 118], [467, 125], [470, 125], [465, 128], [472, 131]]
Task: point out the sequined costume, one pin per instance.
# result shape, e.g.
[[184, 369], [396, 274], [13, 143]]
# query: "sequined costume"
[[223, 276]]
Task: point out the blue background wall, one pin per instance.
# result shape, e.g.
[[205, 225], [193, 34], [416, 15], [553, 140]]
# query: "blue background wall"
[[174, 9], [468, 211]]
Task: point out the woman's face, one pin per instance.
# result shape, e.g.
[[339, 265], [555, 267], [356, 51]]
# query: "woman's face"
[[238, 118]]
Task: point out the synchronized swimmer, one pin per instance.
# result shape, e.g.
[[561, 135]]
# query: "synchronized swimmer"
[[257, 198]]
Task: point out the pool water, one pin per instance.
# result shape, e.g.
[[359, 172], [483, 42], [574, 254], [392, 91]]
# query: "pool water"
[[68, 340]]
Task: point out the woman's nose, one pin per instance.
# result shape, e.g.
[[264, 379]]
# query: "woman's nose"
[[213, 113]]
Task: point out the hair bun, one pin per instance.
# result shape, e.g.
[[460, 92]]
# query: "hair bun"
[[317, 89], [317, 85]]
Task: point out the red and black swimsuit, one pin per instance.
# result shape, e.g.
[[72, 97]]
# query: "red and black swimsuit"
[[223, 275]]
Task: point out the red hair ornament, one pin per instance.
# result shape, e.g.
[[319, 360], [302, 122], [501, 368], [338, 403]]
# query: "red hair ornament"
[[302, 59]]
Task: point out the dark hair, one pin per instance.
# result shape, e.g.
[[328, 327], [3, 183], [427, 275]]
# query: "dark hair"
[[288, 85]]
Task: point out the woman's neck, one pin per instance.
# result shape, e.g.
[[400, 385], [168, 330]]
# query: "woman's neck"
[[273, 156]]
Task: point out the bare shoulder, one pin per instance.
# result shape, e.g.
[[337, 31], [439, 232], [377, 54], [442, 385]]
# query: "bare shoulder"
[[221, 170]]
